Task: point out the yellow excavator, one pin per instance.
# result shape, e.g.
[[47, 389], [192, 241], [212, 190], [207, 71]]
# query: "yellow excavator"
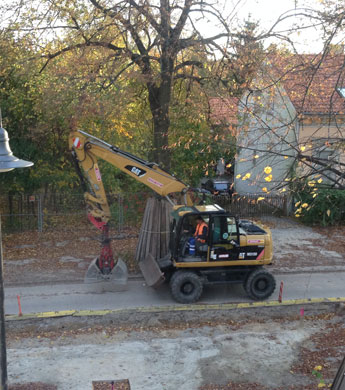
[[232, 250]]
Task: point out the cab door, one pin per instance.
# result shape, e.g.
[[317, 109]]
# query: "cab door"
[[224, 238]]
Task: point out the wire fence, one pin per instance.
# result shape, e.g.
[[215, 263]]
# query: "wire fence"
[[52, 211], [252, 205]]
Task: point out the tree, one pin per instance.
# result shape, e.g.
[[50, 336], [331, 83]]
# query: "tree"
[[235, 70], [153, 41], [17, 101]]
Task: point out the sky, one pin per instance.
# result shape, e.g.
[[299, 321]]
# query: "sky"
[[267, 12]]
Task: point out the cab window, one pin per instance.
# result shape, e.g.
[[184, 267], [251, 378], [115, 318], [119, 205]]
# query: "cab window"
[[224, 229]]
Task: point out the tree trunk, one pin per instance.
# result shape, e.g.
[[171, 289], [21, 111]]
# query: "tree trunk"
[[159, 98], [161, 152]]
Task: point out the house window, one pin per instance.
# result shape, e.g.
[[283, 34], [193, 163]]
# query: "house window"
[[330, 155], [341, 91], [255, 157], [257, 93]]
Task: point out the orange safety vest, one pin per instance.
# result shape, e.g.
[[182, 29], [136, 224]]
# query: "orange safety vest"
[[199, 229]]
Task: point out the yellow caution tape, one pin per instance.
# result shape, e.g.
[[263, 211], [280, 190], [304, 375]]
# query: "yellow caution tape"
[[175, 308]]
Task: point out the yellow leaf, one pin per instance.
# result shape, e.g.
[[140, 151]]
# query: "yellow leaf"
[[321, 385], [302, 148], [238, 176], [267, 170], [229, 165], [286, 157], [320, 180], [305, 205], [268, 178], [287, 179], [246, 176], [297, 215], [315, 195], [256, 156], [260, 198], [328, 212], [264, 189]]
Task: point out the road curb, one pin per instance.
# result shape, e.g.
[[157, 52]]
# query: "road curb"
[[176, 308]]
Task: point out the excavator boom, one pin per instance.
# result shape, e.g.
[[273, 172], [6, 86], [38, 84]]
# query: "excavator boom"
[[86, 150], [148, 173]]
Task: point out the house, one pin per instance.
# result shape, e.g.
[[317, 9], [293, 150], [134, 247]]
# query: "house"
[[291, 120]]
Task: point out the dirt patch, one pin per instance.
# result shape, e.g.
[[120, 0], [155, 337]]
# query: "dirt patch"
[[111, 385], [64, 255], [60, 255], [32, 386]]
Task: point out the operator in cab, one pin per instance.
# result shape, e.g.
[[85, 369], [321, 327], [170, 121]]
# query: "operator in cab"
[[201, 232]]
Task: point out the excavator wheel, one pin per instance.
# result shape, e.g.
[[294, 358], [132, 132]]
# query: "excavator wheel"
[[260, 284], [186, 286]]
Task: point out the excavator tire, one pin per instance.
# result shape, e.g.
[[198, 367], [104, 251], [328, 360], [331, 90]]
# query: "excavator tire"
[[260, 284], [186, 286]]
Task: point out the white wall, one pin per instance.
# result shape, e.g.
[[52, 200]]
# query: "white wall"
[[267, 129]]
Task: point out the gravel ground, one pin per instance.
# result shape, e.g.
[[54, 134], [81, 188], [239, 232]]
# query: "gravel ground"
[[262, 349]]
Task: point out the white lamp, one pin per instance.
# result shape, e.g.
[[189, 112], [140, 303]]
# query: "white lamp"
[[7, 160]]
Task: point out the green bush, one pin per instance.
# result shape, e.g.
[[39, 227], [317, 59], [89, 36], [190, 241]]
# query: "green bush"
[[325, 208]]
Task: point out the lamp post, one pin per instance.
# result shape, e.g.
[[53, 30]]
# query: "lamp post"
[[8, 162]]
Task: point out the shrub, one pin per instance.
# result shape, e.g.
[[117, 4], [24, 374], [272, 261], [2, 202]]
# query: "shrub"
[[321, 207]]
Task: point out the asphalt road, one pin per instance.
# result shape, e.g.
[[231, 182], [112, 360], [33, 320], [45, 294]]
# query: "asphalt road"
[[43, 298]]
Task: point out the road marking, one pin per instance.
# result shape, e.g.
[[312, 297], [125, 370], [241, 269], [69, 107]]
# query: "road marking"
[[176, 308]]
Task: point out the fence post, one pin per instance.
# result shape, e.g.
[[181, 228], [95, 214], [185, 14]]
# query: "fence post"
[[287, 205], [40, 213], [120, 211]]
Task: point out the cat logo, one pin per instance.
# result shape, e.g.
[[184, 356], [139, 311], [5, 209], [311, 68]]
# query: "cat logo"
[[137, 171]]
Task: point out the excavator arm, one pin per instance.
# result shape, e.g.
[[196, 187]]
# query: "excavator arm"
[[86, 150]]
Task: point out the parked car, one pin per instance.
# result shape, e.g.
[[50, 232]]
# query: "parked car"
[[217, 186]]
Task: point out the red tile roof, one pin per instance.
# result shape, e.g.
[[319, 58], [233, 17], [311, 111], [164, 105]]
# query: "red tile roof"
[[311, 81], [224, 110]]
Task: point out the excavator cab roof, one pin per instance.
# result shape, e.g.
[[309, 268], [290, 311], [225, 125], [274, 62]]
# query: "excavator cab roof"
[[180, 211]]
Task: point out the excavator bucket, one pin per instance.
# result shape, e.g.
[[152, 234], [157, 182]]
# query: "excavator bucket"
[[115, 280], [151, 272]]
